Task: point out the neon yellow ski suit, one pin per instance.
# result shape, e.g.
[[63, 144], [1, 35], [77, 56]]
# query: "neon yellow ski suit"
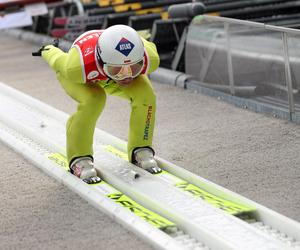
[[91, 100]]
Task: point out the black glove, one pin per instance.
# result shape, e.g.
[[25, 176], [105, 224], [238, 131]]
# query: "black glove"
[[39, 52]]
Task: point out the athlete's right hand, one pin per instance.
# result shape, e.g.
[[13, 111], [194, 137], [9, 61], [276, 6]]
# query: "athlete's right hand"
[[46, 47], [39, 52]]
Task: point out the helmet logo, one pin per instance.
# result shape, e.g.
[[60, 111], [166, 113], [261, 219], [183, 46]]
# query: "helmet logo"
[[124, 46]]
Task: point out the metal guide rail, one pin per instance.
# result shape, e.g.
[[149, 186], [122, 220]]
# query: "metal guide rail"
[[186, 212]]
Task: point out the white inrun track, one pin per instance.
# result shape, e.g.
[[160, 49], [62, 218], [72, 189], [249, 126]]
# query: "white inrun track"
[[36, 130]]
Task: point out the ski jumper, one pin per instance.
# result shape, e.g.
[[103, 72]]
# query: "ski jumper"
[[83, 79]]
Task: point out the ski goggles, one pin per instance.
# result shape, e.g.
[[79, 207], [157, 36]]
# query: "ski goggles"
[[117, 72]]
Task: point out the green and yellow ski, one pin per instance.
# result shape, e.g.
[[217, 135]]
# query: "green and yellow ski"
[[109, 191], [221, 203]]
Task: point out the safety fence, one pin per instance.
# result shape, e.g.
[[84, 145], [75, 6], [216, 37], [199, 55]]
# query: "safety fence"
[[246, 59]]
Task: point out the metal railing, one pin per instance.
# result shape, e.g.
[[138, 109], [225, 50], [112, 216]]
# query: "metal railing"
[[239, 56]]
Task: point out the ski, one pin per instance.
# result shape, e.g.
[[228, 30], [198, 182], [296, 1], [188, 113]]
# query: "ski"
[[112, 193], [191, 189]]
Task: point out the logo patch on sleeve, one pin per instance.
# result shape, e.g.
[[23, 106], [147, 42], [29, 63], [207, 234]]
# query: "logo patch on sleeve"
[[124, 46]]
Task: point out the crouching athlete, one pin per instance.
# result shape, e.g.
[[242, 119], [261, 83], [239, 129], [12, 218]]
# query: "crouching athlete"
[[114, 61]]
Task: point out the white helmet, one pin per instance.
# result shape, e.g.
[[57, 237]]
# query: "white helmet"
[[120, 45]]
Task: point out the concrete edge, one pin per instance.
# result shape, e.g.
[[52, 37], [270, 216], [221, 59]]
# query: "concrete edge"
[[37, 39]]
